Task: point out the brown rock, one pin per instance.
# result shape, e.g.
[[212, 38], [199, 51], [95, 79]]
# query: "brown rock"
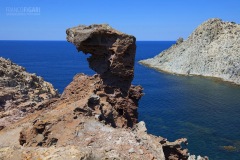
[[112, 57], [66, 128], [112, 52], [108, 103]]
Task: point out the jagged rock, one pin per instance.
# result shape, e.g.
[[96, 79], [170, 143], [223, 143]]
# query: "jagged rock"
[[212, 50], [140, 127], [68, 129], [179, 41], [112, 52], [38, 135], [174, 151], [193, 157], [112, 57], [112, 106], [94, 99], [21, 92]]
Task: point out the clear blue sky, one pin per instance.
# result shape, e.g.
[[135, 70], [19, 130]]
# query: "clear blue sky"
[[145, 19]]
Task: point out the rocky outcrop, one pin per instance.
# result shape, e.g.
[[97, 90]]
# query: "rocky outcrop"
[[96, 116], [112, 57], [212, 50], [112, 53], [21, 93], [108, 104]]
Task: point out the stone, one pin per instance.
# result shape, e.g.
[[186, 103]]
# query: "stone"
[[95, 117], [94, 99], [179, 41], [141, 152], [174, 151], [112, 58], [140, 127], [131, 150], [193, 157], [19, 92], [112, 52], [212, 50], [39, 138]]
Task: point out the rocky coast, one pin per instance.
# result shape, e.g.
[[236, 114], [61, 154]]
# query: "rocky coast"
[[96, 116], [212, 50], [21, 93]]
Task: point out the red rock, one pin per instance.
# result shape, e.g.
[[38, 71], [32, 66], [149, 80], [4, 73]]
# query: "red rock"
[[112, 57]]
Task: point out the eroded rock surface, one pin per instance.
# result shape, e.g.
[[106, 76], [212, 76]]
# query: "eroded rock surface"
[[83, 138], [112, 52], [108, 104], [212, 50], [96, 116], [21, 92], [112, 57]]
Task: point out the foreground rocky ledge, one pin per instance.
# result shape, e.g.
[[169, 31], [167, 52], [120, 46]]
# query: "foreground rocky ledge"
[[212, 50], [96, 116]]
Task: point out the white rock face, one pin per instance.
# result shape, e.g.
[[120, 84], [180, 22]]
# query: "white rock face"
[[212, 50]]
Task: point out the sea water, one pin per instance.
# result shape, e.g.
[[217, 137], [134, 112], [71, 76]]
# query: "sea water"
[[203, 110]]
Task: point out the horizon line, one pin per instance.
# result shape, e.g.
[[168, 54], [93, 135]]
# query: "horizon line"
[[66, 40]]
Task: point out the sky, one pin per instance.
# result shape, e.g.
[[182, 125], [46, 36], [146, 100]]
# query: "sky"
[[149, 20]]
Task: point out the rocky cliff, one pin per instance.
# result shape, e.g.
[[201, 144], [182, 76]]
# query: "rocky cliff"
[[21, 93], [212, 50], [96, 116], [112, 58]]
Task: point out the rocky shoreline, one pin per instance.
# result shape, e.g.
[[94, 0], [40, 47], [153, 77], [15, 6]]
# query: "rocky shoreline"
[[212, 50], [96, 116]]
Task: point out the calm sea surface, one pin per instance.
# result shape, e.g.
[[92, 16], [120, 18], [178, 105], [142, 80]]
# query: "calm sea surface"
[[205, 111]]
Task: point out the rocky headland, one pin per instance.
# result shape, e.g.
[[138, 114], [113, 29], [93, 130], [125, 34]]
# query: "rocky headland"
[[212, 50], [96, 116]]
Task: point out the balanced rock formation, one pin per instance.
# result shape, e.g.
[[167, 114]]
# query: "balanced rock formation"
[[112, 57], [21, 92], [112, 52], [212, 50]]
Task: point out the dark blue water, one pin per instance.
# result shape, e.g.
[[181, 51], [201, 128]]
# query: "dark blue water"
[[205, 111]]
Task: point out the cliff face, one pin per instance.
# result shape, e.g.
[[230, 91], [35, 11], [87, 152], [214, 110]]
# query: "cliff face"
[[213, 49], [21, 93]]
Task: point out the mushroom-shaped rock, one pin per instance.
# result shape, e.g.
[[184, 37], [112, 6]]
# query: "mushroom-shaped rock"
[[112, 57], [112, 52]]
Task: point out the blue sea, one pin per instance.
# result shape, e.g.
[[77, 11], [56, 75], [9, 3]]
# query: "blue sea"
[[204, 110]]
